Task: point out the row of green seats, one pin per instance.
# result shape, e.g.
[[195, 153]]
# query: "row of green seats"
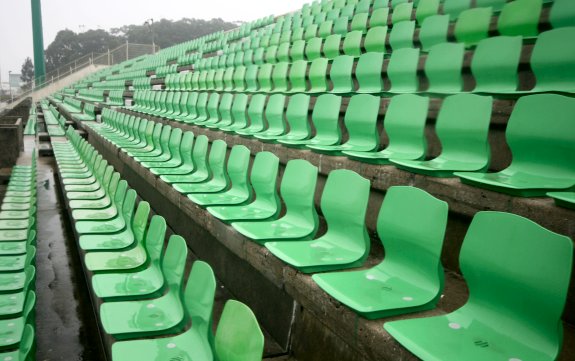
[[115, 98], [17, 265], [142, 291], [53, 119], [91, 95], [539, 160], [88, 113], [72, 105], [30, 128], [494, 68], [410, 278]]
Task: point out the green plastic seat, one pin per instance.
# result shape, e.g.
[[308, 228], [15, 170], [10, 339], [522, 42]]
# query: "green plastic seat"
[[402, 70], [401, 12], [401, 35], [237, 117], [318, 76], [491, 325], [238, 192], [256, 117], [562, 14], [181, 162], [520, 17], [297, 76], [425, 9], [139, 284], [542, 155], [102, 209], [14, 334], [443, 68], [325, 117], [209, 180], [313, 48], [151, 317], [123, 237], [552, 62], [194, 343], [265, 203], [300, 221], [379, 17], [25, 348], [454, 8], [404, 124], [280, 77], [199, 157], [341, 74], [463, 137], [346, 243], [16, 281], [352, 43], [274, 115], [410, 277], [331, 46], [17, 263], [361, 123], [224, 109], [496, 5], [368, 73], [473, 25], [495, 64], [562, 199], [297, 117], [375, 39], [12, 305], [341, 25]]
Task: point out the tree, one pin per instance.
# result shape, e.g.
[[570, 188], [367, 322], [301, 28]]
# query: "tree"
[[27, 73]]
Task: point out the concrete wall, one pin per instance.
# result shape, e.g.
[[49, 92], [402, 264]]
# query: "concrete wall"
[[10, 140]]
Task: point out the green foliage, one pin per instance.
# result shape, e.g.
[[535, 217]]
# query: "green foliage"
[[27, 73], [69, 46]]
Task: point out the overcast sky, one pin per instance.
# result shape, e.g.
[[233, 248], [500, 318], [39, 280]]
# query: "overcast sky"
[[82, 15]]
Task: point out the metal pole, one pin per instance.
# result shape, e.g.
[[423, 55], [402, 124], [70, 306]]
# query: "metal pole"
[[39, 60]]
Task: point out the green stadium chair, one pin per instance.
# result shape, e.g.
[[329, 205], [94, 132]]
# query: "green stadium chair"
[[237, 117], [562, 14], [352, 43], [401, 35], [495, 64], [16, 281], [25, 348], [181, 160], [498, 279], [224, 107], [144, 283], [170, 157], [265, 203], [283, 52], [200, 171], [325, 29], [369, 73], [151, 317], [239, 77], [318, 76], [297, 50], [379, 17], [325, 117], [210, 111], [297, 76], [346, 243], [378, 4], [463, 137], [15, 331], [274, 114], [473, 25], [265, 78], [313, 48], [542, 156], [341, 26], [359, 22], [310, 32], [454, 8], [562, 199], [552, 62], [196, 341], [402, 70], [375, 39], [331, 46], [405, 127], [300, 221], [520, 17], [12, 305], [443, 68], [212, 172], [297, 118], [496, 5], [401, 12], [256, 116], [425, 9], [361, 123], [341, 74], [410, 278]]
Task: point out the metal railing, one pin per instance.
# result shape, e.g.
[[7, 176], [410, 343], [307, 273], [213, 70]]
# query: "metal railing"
[[115, 56]]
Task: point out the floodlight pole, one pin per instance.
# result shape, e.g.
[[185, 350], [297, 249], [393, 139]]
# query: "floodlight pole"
[[39, 61]]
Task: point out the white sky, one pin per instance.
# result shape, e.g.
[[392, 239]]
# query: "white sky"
[[82, 15]]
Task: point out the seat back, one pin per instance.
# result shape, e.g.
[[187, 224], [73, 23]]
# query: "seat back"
[[186, 147], [454, 7], [154, 242], [239, 107], [361, 120], [553, 60], [263, 179], [238, 337], [402, 70], [297, 116], [298, 189], [473, 25], [443, 67], [237, 168], [140, 221], [401, 35], [318, 75], [173, 148], [543, 147], [199, 293], [256, 112], [518, 271], [174, 263], [520, 17], [562, 13], [274, 113], [463, 134], [404, 124], [414, 251], [344, 206], [341, 74], [495, 64], [368, 72], [325, 118], [216, 161], [375, 39]]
